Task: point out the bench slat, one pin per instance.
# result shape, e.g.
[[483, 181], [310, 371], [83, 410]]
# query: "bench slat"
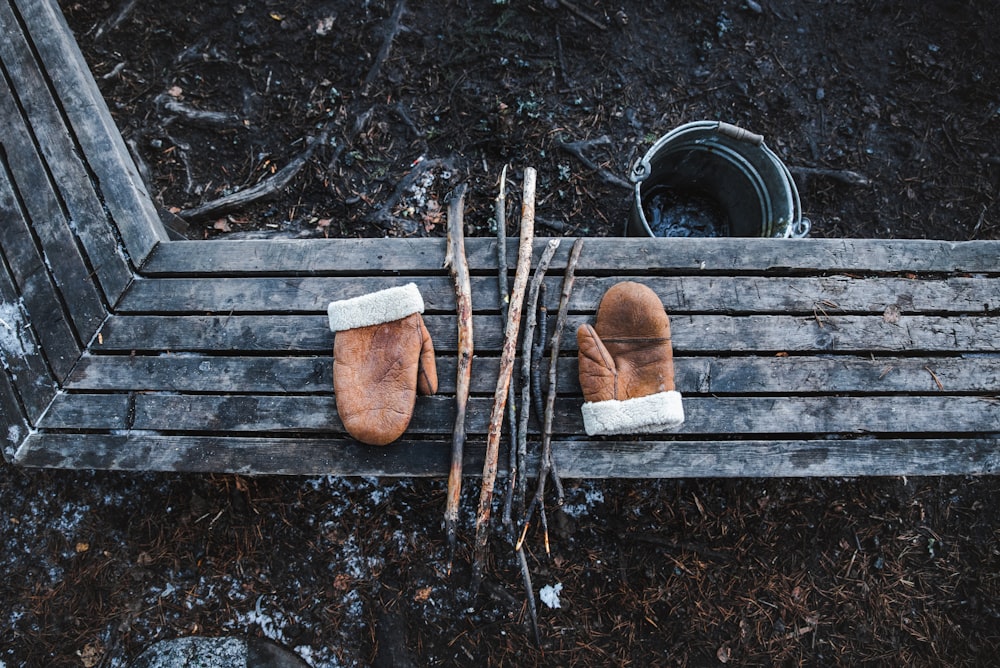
[[703, 294], [21, 355], [575, 459], [708, 416], [33, 282], [630, 256], [44, 218], [118, 182], [55, 141], [701, 375], [691, 334]]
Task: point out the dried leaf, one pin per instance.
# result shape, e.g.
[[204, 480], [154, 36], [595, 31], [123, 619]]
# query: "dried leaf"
[[422, 594], [91, 654]]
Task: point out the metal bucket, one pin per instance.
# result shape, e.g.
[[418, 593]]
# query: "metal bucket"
[[723, 178]]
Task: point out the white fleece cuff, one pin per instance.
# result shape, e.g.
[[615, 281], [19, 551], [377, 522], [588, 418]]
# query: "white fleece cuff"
[[652, 413], [375, 308]]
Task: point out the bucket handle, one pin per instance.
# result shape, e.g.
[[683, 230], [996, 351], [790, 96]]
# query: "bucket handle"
[[740, 134], [642, 169]]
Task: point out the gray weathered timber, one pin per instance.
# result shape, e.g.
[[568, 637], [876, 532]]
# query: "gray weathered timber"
[[21, 355], [130, 208], [691, 334], [707, 416], [123, 350], [34, 286], [575, 458], [32, 208], [776, 458], [679, 294], [610, 255], [84, 204], [740, 374]]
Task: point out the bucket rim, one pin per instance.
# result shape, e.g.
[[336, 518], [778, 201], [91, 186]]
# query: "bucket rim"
[[796, 227]]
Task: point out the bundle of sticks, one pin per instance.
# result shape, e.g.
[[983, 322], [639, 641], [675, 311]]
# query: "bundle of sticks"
[[512, 305]]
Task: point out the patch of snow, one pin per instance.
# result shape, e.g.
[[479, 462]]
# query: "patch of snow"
[[14, 341], [550, 595], [591, 495]]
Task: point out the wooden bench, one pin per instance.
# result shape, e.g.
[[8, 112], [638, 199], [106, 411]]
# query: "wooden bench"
[[122, 349]]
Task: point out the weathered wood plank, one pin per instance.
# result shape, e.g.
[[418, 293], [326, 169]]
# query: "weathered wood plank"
[[622, 256], [273, 456], [115, 174], [78, 190], [694, 375], [701, 294], [777, 458], [38, 295], [575, 459], [20, 353], [691, 334], [14, 426], [434, 415], [25, 174]]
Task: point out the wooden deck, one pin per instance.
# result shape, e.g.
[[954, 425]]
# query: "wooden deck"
[[124, 350]]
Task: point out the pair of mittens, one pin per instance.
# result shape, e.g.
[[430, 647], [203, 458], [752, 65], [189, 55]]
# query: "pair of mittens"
[[382, 357], [627, 365]]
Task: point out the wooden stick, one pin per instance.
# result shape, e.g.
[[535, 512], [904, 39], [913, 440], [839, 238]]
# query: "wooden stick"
[[455, 260], [567, 291], [507, 357], [513, 468], [531, 307], [547, 465]]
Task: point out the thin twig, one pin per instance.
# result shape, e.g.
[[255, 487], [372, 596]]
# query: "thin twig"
[[583, 15], [503, 380], [513, 475], [579, 150], [527, 343], [392, 27], [547, 465], [522, 561], [567, 292], [455, 260], [538, 354]]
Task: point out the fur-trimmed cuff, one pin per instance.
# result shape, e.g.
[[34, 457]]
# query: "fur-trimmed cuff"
[[375, 308], [652, 413]]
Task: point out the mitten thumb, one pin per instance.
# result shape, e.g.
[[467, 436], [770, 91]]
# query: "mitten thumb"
[[598, 373], [427, 380]]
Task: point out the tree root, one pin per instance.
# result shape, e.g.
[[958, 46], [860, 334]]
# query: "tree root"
[[266, 189], [579, 149]]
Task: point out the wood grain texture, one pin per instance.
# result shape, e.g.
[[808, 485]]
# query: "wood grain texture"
[[576, 459], [115, 175], [630, 256], [41, 215], [691, 334], [679, 294], [694, 375], [78, 189], [22, 361], [32, 284], [704, 415]]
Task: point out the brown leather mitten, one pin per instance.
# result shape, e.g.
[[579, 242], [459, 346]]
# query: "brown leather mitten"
[[382, 356], [627, 365]]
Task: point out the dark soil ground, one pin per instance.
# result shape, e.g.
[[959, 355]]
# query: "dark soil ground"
[[673, 572]]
